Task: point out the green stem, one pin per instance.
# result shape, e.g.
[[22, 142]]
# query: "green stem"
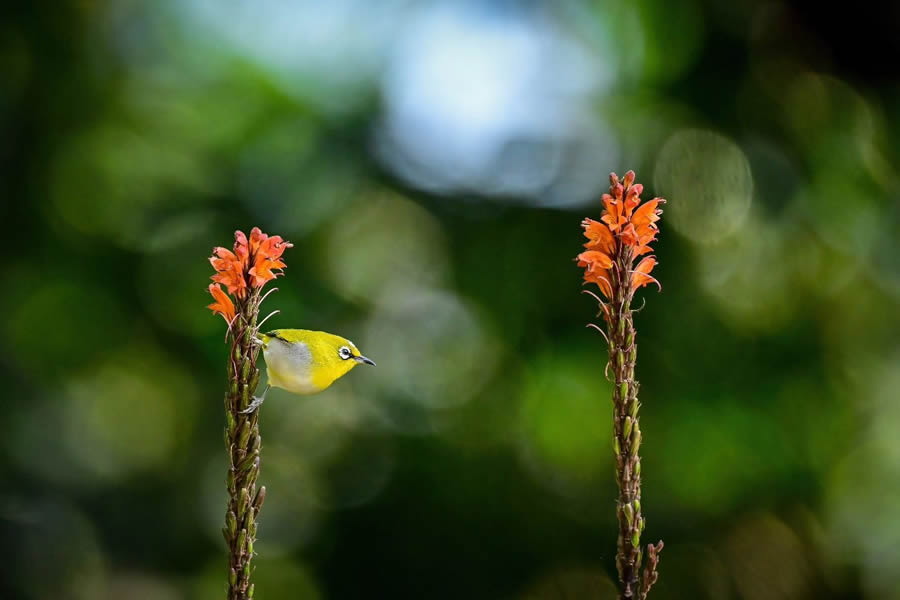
[[242, 441], [627, 431]]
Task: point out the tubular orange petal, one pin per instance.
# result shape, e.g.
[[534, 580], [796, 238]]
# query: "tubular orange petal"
[[241, 248], [272, 248], [632, 199], [647, 213], [223, 255], [613, 214], [594, 259], [640, 276], [222, 305], [262, 272], [610, 220], [233, 282], [628, 235], [599, 236], [646, 265], [229, 270], [257, 237], [601, 280], [646, 234], [613, 221], [267, 253], [221, 264], [609, 203]]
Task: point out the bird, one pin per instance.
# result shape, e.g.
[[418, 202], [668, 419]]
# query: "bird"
[[305, 362]]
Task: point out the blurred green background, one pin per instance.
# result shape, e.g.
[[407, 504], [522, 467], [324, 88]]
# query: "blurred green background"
[[431, 162]]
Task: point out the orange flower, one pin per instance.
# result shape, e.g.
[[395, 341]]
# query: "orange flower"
[[223, 304], [229, 270], [624, 232], [241, 248], [599, 236], [647, 214], [613, 215], [251, 265], [594, 259], [598, 265], [266, 252], [640, 276], [601, 279], [633, 198]]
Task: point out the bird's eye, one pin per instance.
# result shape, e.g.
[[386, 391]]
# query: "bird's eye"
[[345, 353]]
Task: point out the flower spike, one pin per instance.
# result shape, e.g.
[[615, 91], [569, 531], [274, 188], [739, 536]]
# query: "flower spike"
[[243, 270], [614, 260], [624, 232]]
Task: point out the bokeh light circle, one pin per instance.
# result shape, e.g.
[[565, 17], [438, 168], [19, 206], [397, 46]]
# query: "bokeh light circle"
[[444, 355], [707, 181]]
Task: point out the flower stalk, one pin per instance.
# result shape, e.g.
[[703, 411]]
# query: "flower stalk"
[[244, 272], [623, 234]]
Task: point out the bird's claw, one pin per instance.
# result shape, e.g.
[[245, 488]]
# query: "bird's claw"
[[257, 402]]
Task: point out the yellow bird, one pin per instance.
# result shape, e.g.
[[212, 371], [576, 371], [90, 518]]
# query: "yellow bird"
[[305, 362]]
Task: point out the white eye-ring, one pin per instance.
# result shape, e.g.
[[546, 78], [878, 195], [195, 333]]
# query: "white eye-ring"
[[345, 352]]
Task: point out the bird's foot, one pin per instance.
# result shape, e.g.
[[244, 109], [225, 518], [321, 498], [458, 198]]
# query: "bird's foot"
[[257, 402]]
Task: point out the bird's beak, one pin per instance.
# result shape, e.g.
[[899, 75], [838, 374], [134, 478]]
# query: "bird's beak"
[[363, 359]]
